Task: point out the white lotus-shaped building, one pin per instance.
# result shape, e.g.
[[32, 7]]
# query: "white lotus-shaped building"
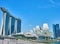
[[45, 32]]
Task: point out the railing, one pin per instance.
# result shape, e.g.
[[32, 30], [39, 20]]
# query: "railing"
[[7, 41], [13, 41]]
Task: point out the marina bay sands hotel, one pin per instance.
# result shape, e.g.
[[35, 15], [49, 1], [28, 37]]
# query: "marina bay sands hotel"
[[10, 24]]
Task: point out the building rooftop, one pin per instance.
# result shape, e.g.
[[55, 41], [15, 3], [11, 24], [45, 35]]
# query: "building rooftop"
[[6, 11]]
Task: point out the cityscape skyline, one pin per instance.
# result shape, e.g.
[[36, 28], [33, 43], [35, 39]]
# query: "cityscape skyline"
[[12, 25], [29, 21], [34, 12]]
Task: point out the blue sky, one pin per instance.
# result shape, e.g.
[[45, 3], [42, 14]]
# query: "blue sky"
[[33, 12]]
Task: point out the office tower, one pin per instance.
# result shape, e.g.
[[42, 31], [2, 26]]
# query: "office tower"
[[56, 30], [18, 25], [10, 25]]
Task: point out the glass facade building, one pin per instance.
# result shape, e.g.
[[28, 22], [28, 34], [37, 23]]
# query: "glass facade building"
[[56, 30], [12, 25], [18, 26], [7, 25]]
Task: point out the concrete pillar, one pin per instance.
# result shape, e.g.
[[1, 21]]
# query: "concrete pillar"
[[1, 26], [15, 26], [4, 21], [10, 25]]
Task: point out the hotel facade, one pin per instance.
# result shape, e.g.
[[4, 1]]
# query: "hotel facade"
[[10, 24]]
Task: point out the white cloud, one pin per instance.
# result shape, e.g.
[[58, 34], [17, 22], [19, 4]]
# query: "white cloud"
[[47, 6], [52, 1], [37, 27], [45, 26]]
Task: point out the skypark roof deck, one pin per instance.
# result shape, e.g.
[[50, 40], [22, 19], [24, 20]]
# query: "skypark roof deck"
[[6, 11]]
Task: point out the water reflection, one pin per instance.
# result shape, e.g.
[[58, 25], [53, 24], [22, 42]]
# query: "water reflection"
[[51, 43], [57, 43], [40, 43]]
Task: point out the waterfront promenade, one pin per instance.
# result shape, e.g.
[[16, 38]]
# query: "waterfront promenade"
[[8, 41]]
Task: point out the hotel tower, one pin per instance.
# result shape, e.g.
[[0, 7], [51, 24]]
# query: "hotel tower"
[[10, 24]]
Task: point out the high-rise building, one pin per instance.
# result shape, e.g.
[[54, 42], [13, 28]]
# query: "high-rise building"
[[10, 24], [56, 30], [18, 25], [5, 24]]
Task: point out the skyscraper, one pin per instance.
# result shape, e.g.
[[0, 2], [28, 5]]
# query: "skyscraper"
[[18, 25], [56, 30], [10, 24], [5, 24]]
